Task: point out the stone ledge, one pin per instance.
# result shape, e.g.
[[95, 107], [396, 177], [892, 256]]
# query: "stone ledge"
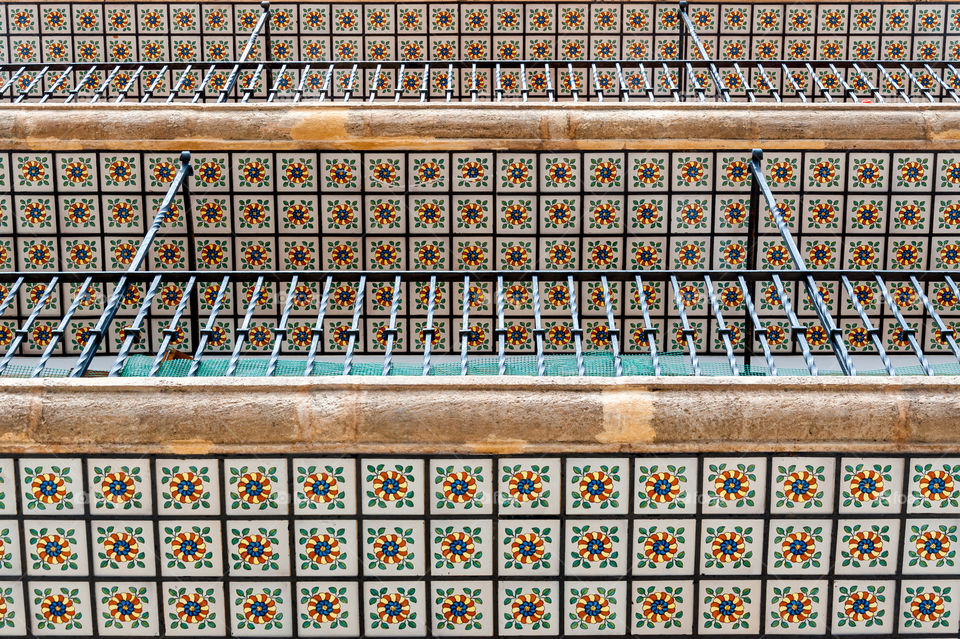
[[478, 415], [621, 126]]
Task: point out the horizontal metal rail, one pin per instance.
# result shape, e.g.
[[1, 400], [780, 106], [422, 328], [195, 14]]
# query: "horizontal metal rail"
[[501, 314], [386, 81]]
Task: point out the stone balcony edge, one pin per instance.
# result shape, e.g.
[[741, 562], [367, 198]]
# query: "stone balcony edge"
[[177, 416], [485, 126]]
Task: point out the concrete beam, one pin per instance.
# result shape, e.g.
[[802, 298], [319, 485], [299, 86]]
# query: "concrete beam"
[[477, 415], [623, 126]]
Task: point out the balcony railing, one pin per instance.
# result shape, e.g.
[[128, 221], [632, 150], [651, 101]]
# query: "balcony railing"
[[479, 322]]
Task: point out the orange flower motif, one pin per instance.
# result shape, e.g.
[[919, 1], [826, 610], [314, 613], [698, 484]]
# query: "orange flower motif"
[[660, 547], [188, 547], [594, 546], [259, 608], [322, 549], [255, 549], [254, 488], [186, 488], [121, 547], [527, 609], [459, 487], [728, 547], [192, 608], [592, 608], [48, 488], [731, 484], [860, 606], [596, 487], [798, 547], [324, 607], [527, 548], [125, 606], [866, 485], [390, 485], [662, 487], [390, 549], [458, 609], [936, 485], [932, 545], [525, 486], [457, 547], [795, 607], [927, 606], [658, 607], [393, 608], [57, 609], [726, 608], [321, 488], [53, 550]]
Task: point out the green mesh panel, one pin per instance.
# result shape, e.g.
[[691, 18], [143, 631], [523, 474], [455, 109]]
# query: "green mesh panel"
[[595, 365]]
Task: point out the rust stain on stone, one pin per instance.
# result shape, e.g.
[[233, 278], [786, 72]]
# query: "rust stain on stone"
[[627, 417], [190, 446]]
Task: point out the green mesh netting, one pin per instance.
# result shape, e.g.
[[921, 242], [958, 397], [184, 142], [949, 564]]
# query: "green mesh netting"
[[595, 365], [26, 371]]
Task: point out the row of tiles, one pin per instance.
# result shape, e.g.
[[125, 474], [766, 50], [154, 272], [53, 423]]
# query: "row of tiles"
[[478, 547], [527, 486], [478, 18], [481, 608]]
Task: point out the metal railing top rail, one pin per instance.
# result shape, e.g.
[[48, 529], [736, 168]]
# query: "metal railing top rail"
[[684, 80]]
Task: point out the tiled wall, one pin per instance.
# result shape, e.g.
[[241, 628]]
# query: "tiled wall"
[[813, 545], [61, 32], [461, 211]]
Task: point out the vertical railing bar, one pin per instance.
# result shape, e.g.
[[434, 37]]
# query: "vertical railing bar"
[[83, 293], [524, 89], [823, 314], [251, 83], [576, 330], [500, 331], [327, 81], [847, 89], [26, 91], [171, 328], [751, 96], [275, 87], [354, 331], [687, 332], [473, 83], [538, 331], [943, 85], [76, 89], [449, 90], [175, 91], [241, 332], [551, 94], [596, 82], [280, 333], [133, 80], [793, 83], [905, 329], [572, 80], [877, 94], [200, 93], [348, 92], [648, 87], [758, 329], [498, 82], [798, 332], [945, 331], [56, 84], [22, 332], [132, 333], [428, 331], [232, 78], [99, 93], [649, 332], [301, 86], [898, 88], [766, 80], [16, 76], [391, 331], [317, 332], [872, 331], [398, 89], [425, 83], [110, 311], [624, 89], [671, 85], [816, 80], [612, 330], [714, 74], [465, 324], [207, 330], [376, 84], [923, 89], [722, 330], [695, 83]]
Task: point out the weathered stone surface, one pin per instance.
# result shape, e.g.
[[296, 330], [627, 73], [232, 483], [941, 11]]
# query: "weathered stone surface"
[[488, 415], [913, 127]]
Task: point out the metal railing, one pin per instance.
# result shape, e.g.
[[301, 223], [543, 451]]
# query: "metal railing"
[[802, 81], [635, 319], [685, 78]]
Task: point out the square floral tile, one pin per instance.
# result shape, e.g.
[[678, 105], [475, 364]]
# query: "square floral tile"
[[530, 485], [392, 486], [734, 485]]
